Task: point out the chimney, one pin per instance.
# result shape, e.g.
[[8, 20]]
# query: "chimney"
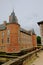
[[5, 23]]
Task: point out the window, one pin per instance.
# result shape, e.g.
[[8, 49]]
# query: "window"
[[8, 36], [2, 34], [19, 36], [2, 40], [8, 40], [8, 33], [2, 37]]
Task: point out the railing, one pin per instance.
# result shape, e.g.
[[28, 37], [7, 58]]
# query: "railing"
[[20, 59]]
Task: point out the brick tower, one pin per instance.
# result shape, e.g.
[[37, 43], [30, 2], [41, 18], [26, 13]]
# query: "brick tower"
[[13, 34]]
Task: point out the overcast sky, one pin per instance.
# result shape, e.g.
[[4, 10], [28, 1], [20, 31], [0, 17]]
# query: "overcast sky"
[[28, 12]]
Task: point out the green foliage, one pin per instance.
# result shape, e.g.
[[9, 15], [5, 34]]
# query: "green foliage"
[[38, 40]]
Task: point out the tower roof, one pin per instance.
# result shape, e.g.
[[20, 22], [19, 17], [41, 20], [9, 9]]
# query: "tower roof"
[[13, 14], [13, 18]]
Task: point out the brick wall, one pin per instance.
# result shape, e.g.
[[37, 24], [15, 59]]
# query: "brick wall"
[[13, 45], [26, 41], [34, 40]]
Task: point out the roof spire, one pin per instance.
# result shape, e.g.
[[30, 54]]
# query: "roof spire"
[[13, 18], [13, 9], [13, 14]]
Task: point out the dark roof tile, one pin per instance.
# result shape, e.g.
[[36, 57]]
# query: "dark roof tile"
[[25, 31], [2, 27]]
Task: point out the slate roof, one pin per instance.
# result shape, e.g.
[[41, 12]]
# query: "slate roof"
[[2, 27], [13, 18], [25, 31], [28, 32]]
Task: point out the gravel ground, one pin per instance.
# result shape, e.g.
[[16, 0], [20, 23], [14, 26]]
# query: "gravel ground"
[[39, 60]]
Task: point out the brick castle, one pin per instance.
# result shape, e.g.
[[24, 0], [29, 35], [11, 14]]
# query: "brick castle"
[[13, 38]]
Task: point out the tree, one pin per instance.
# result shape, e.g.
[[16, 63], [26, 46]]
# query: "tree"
[[38, 40]]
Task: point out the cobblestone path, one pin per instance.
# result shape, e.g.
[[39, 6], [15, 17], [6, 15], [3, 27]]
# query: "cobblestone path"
[[39, 60]]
